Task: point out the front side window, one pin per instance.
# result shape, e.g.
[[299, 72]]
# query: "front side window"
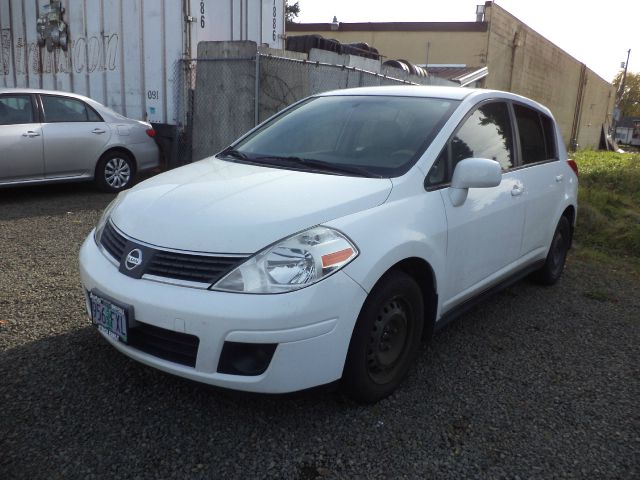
[[16, 109], [537, 141], [379, 136], [62, 109], [485, 134]]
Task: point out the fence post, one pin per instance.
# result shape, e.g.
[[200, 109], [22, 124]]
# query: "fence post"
[[256, 117]]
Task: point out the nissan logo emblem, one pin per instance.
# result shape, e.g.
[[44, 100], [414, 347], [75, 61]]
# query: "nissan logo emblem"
[[134, 258]]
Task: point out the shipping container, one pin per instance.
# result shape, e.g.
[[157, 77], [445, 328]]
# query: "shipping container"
[[126, 54]]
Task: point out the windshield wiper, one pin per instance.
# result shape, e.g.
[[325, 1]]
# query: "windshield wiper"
[[232, 152], [317, 165]]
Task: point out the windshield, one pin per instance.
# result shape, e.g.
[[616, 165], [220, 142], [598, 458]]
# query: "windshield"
[[376, 136]]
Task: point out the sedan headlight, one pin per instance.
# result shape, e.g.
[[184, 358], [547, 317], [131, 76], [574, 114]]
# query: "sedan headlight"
[[293, 263], [105, 217]]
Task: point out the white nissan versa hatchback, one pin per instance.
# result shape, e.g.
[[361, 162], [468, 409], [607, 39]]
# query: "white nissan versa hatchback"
[[325, 243]]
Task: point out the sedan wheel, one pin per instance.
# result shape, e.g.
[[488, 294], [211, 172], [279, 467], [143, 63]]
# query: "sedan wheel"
[[114, 172]]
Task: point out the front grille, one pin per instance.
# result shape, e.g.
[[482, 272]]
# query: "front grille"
[[189, 267], [112, 241], [194, 268], [173, 346]]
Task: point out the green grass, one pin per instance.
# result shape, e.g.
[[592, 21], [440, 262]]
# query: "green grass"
[[609, 203]]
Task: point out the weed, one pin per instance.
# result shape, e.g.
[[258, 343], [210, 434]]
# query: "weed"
[[609, 202]]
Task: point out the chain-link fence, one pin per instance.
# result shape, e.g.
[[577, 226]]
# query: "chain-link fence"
[[219, 99]]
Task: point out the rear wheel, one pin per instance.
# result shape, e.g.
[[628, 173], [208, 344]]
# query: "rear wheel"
[[385, 340], [552, 269], [115, 172]]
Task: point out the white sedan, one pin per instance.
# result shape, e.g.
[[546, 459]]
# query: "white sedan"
[[51, 136], [328, 241]]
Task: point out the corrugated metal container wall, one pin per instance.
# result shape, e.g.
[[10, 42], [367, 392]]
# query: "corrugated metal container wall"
[[125, 53]]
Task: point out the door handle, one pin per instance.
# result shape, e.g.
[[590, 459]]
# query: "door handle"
[[30, 133], [98, 131], [517, 190], [559, 178]]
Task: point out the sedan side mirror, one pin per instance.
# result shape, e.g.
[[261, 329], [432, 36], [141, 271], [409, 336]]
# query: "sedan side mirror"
[[473, 173]]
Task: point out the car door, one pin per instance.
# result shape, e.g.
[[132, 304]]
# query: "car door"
[[484, 234], [542, 174], [74, 136], [21, 155]]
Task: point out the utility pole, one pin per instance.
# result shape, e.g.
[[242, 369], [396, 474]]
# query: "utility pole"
[[624, 76], [617, 113]]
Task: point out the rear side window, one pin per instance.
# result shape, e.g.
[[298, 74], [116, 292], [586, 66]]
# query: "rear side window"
[[62, 109], [537, 140], [16, 109], [485, 134]]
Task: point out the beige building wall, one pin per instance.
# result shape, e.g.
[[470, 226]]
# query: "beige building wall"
[[596, 109], [522, 61]]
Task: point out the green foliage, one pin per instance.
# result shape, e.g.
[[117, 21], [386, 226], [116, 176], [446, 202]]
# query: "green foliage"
[[609, 202], [291, 11], [630, 100]]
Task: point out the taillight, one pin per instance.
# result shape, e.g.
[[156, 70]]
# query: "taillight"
[[573, 165], [151, 132]]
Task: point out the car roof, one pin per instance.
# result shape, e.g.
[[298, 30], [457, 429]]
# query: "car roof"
[[101, 108], [429, 91], [40, 90], [437, 91]]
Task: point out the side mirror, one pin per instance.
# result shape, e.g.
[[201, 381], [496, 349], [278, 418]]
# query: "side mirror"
[[473, 173]]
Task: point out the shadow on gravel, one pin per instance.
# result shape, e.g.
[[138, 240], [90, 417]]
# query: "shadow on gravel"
[[51, 200], [509, 389], [92, 410], [56, 199]]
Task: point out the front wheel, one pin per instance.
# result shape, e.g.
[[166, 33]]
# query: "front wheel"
[[552, 269], [385, 340], [115, 172]]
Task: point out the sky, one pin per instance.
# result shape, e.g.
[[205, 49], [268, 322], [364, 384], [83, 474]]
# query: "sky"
[[597, 33]]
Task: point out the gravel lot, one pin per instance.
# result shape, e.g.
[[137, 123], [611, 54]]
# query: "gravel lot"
[[533, 383]]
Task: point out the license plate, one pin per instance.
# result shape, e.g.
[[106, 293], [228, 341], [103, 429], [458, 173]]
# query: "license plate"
[[110, 318]]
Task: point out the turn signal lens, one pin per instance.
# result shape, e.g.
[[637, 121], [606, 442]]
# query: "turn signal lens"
[[333, 259]]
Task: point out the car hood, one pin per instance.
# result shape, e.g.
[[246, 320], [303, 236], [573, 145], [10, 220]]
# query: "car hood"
[[225, 207]]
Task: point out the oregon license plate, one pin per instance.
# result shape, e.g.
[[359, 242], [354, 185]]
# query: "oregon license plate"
[[110, 318]]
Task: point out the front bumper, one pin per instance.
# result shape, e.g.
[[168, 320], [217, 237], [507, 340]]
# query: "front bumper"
[[312, 327]]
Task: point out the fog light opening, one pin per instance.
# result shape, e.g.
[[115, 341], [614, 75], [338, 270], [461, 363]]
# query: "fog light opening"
[[248, 359]]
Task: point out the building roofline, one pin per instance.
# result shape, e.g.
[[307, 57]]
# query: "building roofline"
[[390, 27]]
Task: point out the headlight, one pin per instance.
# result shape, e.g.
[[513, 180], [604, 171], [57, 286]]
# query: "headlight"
[[293, 263], [105, 217]]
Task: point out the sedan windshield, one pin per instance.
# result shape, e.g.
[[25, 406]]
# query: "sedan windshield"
[[372, 136]]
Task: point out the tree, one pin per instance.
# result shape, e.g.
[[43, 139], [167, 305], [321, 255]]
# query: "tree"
[[291, 11], [629, 100]]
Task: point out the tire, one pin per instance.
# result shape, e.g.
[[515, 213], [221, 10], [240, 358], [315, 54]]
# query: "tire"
[[553, 267], [115, 172], [385, 340]]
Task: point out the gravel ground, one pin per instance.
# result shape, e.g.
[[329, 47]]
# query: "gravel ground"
[[533, 383]]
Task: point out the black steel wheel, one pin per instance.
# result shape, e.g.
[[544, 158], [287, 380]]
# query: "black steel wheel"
[[553, 267], [386, 338]]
